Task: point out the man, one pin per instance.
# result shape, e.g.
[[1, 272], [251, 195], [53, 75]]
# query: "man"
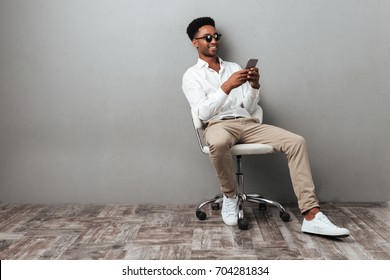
[[223, 95]]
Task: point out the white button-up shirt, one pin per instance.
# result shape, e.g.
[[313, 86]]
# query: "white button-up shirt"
[[202, 88]]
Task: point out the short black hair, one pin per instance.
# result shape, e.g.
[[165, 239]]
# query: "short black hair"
[[197, 23]]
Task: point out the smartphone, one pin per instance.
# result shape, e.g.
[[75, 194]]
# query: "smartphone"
[[251, 63]]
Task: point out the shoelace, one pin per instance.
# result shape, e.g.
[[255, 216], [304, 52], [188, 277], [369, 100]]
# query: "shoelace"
[[326, 221], [230, 207]]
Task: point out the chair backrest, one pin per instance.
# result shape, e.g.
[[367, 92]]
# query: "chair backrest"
[[199, 127]]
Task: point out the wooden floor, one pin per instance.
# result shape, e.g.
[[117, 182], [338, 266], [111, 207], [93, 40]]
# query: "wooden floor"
[[173, 232]]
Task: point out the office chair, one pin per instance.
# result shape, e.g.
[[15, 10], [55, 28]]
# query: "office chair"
[[238, 151]]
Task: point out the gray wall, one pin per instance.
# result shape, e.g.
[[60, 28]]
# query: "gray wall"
[[91, 107]]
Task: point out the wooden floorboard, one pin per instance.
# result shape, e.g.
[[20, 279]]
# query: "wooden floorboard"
[[172, 232]]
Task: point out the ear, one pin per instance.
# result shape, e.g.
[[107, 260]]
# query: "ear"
[[195, 43]]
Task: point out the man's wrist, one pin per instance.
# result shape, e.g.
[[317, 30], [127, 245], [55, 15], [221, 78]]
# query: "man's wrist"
[[226, 88], [255, 85]]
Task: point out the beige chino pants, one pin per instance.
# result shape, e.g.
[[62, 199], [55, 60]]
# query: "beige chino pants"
[[221, 135]]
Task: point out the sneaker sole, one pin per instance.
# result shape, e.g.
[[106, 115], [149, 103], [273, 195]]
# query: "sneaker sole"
[[231, 224], [327, 235]]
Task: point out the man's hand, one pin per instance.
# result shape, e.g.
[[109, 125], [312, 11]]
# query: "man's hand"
[[254, 77], [238, 78], [235, 80]]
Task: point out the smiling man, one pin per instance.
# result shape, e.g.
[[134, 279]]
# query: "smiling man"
[[224, 96]]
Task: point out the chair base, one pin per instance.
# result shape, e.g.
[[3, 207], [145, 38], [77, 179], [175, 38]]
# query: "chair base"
[[242, 223], [242, 197]]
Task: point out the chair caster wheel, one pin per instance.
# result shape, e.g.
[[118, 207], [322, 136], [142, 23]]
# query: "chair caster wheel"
[[201, 215], [262, 206], [243, 224], [285, 216], [215, 206]]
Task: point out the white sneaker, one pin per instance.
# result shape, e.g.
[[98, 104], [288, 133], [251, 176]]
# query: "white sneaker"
[[322, 226], [229, 210]]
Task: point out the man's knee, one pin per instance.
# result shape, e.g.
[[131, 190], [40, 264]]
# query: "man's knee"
[[218, 146], [299, 140], [297, 143]]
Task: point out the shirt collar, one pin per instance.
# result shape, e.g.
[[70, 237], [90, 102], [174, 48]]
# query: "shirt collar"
[[201, 63]]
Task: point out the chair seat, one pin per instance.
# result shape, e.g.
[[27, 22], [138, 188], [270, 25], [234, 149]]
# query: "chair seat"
[[246, 149]]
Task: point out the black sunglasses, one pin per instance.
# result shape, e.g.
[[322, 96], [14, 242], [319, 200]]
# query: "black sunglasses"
[[209, 37]]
